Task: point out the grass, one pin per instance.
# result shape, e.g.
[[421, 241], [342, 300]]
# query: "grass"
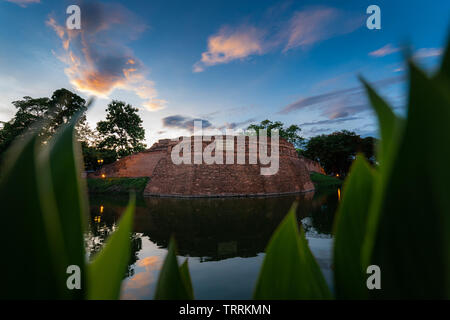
[[117, 185], [323, 181]]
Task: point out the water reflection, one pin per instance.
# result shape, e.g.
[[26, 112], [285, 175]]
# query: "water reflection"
[[224, 238]]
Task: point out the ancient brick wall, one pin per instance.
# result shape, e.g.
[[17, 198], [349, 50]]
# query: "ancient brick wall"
[[169, 179], [312, 166]]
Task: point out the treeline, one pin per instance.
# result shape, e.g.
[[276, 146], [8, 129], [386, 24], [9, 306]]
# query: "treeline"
[[122, 134], [335, 152], [119, 135]]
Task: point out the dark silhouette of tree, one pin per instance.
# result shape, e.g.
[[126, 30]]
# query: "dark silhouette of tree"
[[53, 112], [335, 152], [122, 132]]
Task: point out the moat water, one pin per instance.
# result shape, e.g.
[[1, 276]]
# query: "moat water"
[[223, 239]]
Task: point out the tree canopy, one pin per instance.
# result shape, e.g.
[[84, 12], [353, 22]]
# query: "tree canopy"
[[291, 133], [335, 152], [122, 132], [53, 112]]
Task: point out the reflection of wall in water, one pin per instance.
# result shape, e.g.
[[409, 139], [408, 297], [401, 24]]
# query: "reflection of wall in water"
[[213, 228]]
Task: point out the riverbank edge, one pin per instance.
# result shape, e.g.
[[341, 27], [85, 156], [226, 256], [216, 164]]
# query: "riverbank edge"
[[137, 185], [117, 185], [321, 181]]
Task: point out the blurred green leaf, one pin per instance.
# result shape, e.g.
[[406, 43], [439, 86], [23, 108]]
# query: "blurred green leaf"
[[412, 242], [350, 228], [444, 71], [173, 282], [34, 275], [64, 157], [186, 277], [289, 269], [106, 272], [391, 130], [390, 125]]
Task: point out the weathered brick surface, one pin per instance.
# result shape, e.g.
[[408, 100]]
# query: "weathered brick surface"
[[312, 166], [169, 179]]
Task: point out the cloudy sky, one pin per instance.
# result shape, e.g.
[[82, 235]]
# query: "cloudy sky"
[[228, 63]]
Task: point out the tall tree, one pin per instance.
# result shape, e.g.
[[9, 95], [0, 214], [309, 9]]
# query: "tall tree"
[[291, 133], [122, 131], [63, 105], [52, 111]]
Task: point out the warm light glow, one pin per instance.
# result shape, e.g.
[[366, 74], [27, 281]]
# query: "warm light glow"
[[100, 161], [97, 219], [103, 176], [339, 193], [101, 209], [337, 175]]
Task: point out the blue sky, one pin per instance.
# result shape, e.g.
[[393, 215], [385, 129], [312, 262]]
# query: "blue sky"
[[226, 62]]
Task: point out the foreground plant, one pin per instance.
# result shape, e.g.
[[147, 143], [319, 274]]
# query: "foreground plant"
[[44, 210], [395, 216]]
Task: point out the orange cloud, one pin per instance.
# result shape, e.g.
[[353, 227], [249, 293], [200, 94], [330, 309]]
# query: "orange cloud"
[[228, 45], [305, 28], [98, 61]]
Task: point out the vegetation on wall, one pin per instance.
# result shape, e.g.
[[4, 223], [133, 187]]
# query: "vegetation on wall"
[[290, 134]]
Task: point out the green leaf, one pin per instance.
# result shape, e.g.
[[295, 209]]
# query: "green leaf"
[[29, 258], [390, 124], [350, 228], [106, 272], [289, 269], [186, 277], [64, 157], [391, 130], [412, 242], [173, 283], [444, 71]]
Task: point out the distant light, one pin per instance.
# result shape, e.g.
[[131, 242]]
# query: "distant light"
[[103, 176], [97, 219], [337, 175], [101, 209], [100, 161], [339, 193]]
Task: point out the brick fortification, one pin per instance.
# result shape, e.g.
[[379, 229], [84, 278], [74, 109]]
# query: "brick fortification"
[[215, 180]]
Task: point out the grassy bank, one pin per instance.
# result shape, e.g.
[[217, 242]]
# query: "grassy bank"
[[322, 181], [117, 185]]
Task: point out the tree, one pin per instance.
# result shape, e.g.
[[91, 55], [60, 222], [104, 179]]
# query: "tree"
[[63, 105], [290, 134], [335, 152], [122, 132], [53, 112]]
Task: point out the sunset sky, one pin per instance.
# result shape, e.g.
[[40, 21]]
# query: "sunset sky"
[[228, 63]]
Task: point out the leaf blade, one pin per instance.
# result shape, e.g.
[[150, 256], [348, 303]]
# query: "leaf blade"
[[289, 269], [414, 212], [349, 230], [106, 272], [171, 282]]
